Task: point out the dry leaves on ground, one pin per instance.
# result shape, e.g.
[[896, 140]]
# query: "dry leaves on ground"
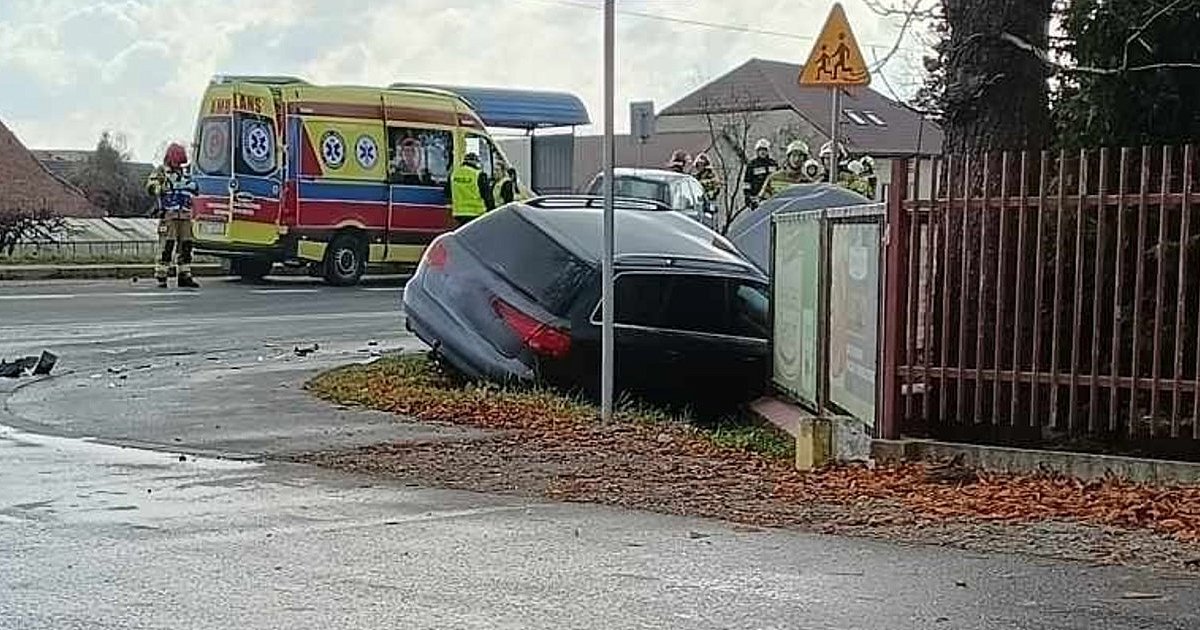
[[554, 447]]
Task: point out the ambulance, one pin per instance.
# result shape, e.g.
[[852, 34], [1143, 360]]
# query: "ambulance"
[[329, 177]]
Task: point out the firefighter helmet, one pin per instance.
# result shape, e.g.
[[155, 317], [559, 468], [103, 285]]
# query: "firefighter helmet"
[[176, 156], [797, 146]]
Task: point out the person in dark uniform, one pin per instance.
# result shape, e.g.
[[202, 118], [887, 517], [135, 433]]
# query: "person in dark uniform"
[[758, 170]]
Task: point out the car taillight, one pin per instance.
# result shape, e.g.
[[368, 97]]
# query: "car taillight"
[[436, 256], [540, 337]]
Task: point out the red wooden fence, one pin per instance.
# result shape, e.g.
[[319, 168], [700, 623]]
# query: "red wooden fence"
[[1034, 294]]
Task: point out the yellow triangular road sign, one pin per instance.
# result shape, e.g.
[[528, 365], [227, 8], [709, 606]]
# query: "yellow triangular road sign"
[[835, 58]]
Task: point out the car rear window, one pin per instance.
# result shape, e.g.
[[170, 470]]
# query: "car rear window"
[[692, 303], [636, 188], [528, 258]]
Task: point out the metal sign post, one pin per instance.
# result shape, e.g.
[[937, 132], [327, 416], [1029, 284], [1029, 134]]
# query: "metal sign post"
[[834, 124], [606, 321]]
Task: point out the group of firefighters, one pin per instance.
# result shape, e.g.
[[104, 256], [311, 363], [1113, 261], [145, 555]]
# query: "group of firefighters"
[[765, 177]]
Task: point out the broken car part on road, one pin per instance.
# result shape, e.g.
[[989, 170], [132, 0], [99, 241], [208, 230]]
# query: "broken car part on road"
[[38, 366]]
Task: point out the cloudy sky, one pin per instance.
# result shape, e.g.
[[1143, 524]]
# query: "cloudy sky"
[[70, 69]]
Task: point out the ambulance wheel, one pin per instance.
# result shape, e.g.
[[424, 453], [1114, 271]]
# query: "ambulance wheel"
[[250, 269], [345, 260]]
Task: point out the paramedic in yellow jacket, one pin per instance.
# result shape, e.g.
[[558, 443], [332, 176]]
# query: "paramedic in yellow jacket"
[[471, 192], [173, 188], [797, 169]]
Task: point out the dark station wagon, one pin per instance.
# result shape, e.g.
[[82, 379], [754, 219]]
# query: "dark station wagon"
[[515, 295]]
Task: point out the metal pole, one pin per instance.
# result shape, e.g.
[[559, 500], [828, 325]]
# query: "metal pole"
[[835, 120], [606, 333]]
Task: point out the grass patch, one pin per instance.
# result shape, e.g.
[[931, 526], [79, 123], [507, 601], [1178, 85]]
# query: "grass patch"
[[416, 386]]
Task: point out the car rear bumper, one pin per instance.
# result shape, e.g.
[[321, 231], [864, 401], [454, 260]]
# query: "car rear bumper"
[[461, 346]]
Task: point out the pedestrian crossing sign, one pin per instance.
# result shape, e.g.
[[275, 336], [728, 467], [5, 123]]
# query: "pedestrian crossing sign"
[[835, 59]]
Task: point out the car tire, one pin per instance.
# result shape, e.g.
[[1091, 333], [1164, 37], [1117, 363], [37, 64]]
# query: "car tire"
[[345, 260], [250, 269]]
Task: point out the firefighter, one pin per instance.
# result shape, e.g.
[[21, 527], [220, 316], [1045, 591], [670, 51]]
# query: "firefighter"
[[679, 161], [843, 158], [704, 173], [868, 163], [855, 178], [796, 170], [172, 186], [470, 193], [758, 170]]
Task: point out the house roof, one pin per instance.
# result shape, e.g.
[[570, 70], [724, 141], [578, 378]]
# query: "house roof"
[[26, 185], [870, 121], [61, 163]]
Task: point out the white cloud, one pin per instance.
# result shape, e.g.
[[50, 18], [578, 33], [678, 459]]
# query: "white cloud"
[[140, 66]]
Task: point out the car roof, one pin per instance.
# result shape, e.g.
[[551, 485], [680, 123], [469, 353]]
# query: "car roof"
[[643, 238], [648, 173]]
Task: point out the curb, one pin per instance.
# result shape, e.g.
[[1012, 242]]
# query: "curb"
[[95, 272], [116, 272], [818, 442], [1085, 466]]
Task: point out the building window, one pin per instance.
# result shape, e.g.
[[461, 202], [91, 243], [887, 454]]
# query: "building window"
[[873, 117]]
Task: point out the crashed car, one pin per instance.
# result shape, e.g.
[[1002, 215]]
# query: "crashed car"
[[515, 296]]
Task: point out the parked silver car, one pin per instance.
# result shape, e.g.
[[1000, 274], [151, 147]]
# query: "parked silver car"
[[678, 191]]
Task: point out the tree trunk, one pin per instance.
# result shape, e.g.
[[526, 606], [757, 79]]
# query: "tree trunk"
[[997, 96]]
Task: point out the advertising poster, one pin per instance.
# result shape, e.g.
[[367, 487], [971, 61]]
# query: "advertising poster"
[[797, 250], [854, 318]]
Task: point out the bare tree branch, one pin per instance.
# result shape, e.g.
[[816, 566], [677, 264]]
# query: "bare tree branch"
[[1142, 29], [1061, 68]]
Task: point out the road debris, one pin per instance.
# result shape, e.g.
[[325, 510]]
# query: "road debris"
[[38, 366]]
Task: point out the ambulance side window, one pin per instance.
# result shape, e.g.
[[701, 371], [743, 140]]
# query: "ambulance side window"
[[420, 156]]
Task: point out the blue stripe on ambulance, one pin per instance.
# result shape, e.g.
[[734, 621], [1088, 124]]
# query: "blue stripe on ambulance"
[[376, 193]]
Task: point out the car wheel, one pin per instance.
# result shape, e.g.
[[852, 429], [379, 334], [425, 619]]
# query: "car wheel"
[[345, 260], [250, 269]]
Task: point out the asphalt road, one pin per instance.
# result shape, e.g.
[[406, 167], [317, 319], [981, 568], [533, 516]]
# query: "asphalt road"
[[211, 371], [95, 533]]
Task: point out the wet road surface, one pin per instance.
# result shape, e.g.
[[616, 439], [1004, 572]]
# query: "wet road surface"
[[212, 371], [94, 534]]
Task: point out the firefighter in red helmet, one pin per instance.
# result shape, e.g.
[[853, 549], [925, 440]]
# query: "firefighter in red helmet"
[[173, 188]]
